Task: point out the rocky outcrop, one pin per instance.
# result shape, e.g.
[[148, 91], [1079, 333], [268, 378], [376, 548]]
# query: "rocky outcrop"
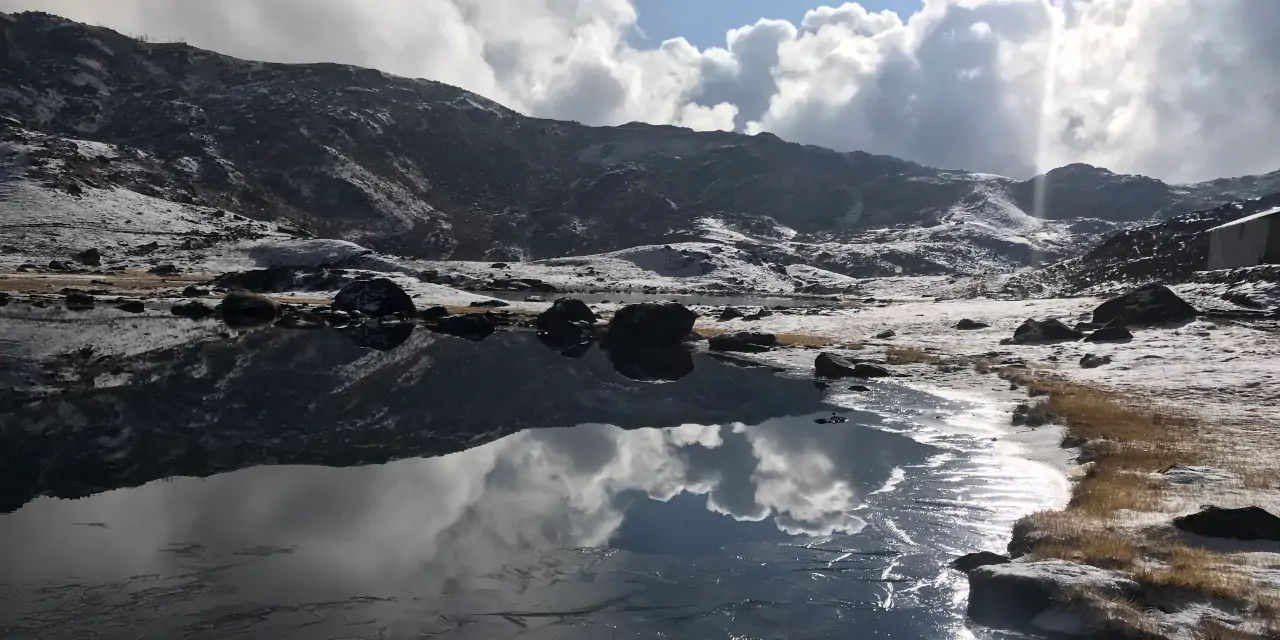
[[965, 324], [79, 301], [970, 561], [1150, 304], [192, 309], [376, 297], [743, 341], [1015, 595], [1246, 523], [566, 317], [831, 365], [470, 326], [1113, 331], [89, 257], [1041, 331], [1093, 361]]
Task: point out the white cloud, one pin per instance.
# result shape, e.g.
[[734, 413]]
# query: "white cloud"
[[1180, 89]]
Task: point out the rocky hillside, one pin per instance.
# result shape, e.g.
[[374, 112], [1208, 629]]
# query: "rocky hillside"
[[423, 169]]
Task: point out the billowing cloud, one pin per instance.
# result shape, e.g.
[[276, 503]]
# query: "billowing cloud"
[[1179, 89]]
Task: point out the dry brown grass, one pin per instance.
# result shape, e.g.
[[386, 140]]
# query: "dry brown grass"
[[1215, 630], [802, 340], [1105, 490], [1106, 549], [911, 355]]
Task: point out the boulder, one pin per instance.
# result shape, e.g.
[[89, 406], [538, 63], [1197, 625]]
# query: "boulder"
[[79, 301], [1245, 523], [472, 326], [192, 309], [493, 302], [1040, 331], [729, 313], [1113, 331], [244, 309], [58, 265], [431, 314], [970, 561], [1091, 361], [192, 291], [830, 365], [745, 341], [163, 270], [649, 324], [131, 306], [1013, 595], [376, 297], [90, 257], [965, 324], [565, 317], [4, 298], [1150, 304], [886, 334]]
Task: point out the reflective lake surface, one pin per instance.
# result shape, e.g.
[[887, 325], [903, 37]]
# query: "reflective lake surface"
[[300, 485]]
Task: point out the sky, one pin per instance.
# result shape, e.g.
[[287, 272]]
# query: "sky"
[[1181, 90]]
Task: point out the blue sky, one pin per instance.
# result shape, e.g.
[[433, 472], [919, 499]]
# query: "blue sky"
[[704, 22]]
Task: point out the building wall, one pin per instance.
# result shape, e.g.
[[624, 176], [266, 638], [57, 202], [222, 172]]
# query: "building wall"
[[1244, 245]]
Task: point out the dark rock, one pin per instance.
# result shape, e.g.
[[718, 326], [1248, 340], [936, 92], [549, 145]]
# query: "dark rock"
[[1113, 331], [4, 298], [376, 297], [886, 334], [79, 301], [970, 561], [473, 326], [729, 313], [192, 309], [667, 363], [649, 324], [494, 302], [1241, 299], [244, 309], [145, 249], [131, 306], [498, 265], [91, 257], [965, 324], [830, 365], [1246, 523], [1150, 304], [58, 265], [379, 337], [431, 314], [303, 319], [745, 341], [192, 291], [1091, 361], [1040, 331], [861, 388], [428, 275], [163, 270], [566, 316], [1012, 595], [1029, 415], [763, 313]]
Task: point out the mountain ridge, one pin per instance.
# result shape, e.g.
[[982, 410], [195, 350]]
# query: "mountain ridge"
[[423, 169]]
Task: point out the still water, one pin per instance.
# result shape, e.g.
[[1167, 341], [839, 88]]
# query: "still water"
[[303, 485]]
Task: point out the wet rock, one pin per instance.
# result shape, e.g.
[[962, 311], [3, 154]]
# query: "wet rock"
[[1091, 361], [79, 301], [965, 324], [1246, 523], [743, 341], [1151, 304], [1041, 331], [163, 270], [649, 324], [494, 302], [131, 306], [970, 561], [886, 334], [1013, 595], [650, 364], [729, 313], [90, 257], [473, 326], [191, 309], [431, 314], [1113, 331], [830, 365], [245, 309], [376, 297]]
